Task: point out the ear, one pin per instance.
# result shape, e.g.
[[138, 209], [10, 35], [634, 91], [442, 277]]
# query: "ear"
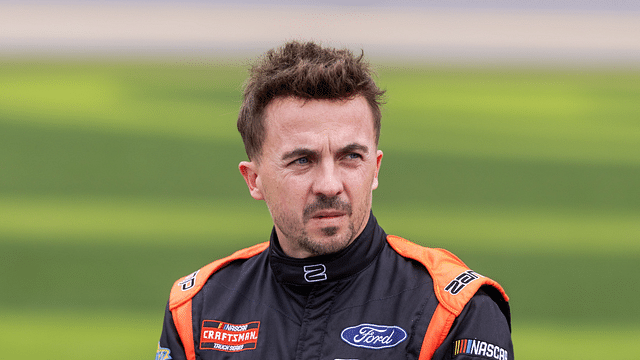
[[249, 172], [374, 185]]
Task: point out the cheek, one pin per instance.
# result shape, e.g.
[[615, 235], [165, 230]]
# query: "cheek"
[[362, 178], [362, 183], [295, 190], [286, 192]]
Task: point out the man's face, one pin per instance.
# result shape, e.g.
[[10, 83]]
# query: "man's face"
[[318, 168]]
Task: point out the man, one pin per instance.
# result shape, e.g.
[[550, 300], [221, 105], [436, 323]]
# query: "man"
[[329, 283]]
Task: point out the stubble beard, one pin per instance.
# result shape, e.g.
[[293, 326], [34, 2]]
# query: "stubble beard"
[[331, 241], [328, 244]]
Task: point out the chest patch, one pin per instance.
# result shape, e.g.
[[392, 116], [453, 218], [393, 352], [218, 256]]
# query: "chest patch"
[[372, 336], [222, 336]]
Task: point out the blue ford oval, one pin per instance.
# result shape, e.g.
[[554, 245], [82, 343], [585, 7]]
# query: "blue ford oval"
[[373, 336]]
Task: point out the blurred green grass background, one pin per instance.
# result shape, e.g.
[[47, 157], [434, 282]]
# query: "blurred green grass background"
[[118, 177]]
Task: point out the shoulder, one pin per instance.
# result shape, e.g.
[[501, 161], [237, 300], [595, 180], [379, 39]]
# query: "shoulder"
[[453, 282], [188, 286], [482, 329]]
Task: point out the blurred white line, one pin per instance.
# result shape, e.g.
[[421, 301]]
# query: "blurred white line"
[[434, 33]]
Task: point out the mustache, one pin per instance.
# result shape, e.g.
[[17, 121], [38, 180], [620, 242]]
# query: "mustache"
[[323, 202]]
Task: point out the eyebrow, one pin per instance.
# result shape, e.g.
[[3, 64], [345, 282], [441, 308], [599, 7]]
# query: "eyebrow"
[[297, 153], [355, 147], [302, 152]]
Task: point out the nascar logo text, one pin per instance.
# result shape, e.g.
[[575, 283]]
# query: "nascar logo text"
[[218, 335], [479, 348]]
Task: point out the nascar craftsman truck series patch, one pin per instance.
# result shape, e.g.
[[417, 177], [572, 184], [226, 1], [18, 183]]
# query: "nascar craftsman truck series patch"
[[222, 336]]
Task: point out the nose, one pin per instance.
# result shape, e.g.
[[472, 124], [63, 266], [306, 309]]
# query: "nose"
[[328, 180]]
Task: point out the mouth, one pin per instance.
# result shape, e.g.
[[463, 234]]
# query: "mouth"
[[327, 214], [329, 211]]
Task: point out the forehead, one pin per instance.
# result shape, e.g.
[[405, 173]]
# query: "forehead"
[[298, 122]]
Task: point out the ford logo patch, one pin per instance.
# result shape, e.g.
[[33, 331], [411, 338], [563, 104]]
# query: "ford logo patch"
[[372, 336]]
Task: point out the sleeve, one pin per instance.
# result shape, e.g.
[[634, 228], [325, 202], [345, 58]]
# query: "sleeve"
[[481, 331], [169, 346]]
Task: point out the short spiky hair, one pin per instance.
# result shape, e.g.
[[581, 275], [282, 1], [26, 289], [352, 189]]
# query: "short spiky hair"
[[306, 71]]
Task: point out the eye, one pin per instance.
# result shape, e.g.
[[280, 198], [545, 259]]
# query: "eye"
[[354, 156], [300, 161]]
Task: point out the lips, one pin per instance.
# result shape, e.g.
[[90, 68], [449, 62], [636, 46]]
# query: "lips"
[[326, 208], [327, 214]]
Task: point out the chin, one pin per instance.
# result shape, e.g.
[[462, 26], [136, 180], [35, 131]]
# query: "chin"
[[327, 239], [330, 231]]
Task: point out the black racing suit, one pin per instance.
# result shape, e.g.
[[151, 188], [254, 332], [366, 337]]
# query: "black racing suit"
[[364, 302]]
